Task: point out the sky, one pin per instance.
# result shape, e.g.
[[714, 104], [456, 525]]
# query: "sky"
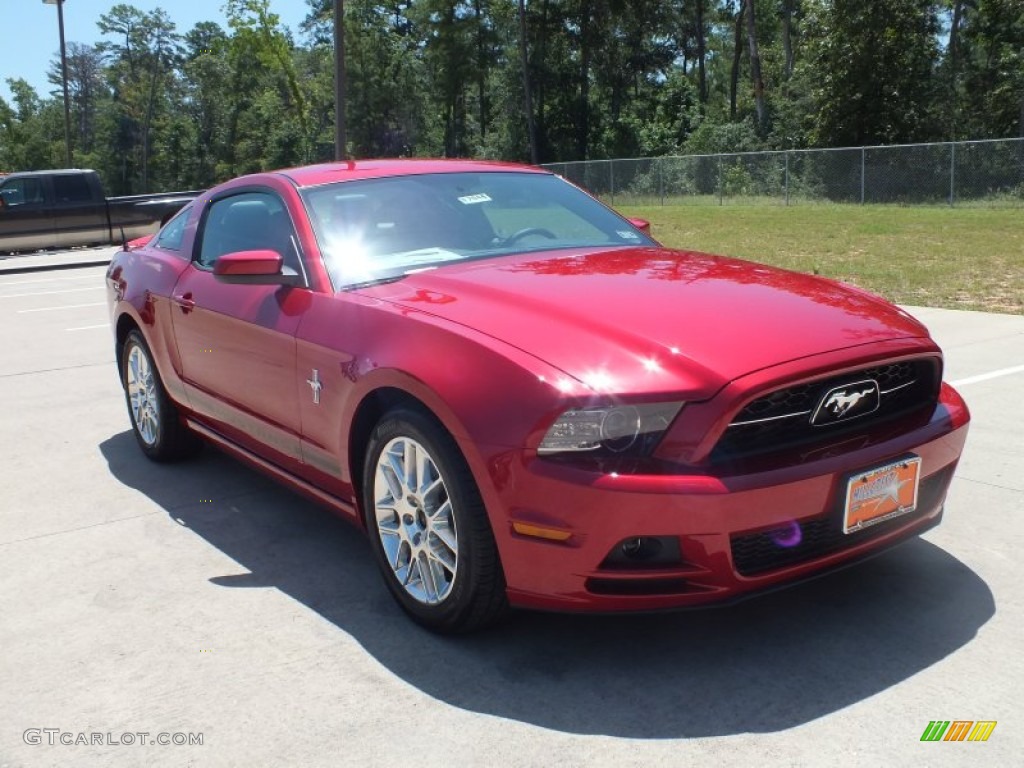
[[30, 37]]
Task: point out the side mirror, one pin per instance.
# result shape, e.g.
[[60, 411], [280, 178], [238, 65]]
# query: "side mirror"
[[261, 267], [642, 224]]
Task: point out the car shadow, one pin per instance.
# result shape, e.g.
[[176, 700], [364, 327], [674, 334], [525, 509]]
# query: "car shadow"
[[764, 665]]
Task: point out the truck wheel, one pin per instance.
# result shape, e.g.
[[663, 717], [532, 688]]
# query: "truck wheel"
[[157, 425]]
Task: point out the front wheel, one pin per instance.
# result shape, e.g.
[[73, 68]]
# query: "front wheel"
[[428, 525]]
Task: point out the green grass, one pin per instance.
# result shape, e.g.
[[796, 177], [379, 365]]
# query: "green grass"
[[959, 258]]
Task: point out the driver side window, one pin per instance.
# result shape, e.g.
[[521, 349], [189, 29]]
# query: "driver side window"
[[26, 191], [247, 222]]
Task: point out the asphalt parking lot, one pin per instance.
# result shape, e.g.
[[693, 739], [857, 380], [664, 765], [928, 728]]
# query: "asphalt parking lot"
[[204, 599]]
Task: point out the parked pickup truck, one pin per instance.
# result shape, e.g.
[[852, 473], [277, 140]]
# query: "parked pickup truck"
[[65, 208]]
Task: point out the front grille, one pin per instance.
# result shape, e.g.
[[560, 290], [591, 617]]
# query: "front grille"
[[782, 419], [757, 553]]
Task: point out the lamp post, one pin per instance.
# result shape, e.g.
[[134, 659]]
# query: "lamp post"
[[339, 79], [64, 76]]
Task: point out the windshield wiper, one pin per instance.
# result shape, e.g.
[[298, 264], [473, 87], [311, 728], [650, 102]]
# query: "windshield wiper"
[[373, 282]]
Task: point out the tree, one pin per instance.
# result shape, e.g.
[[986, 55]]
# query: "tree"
[[86, 89], [202, 121], [544, 80], [258, 36], [876, 63], [755, 67], [30, 131], [144, 54], [992, 92], [700, 35], [737, 55], [787, 10], [385, 81]]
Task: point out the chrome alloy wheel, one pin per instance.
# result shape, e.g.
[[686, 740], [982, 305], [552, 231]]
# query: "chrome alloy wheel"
[[142, 395], [415, 521]]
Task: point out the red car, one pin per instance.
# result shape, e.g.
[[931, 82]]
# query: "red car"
[[522, 397]]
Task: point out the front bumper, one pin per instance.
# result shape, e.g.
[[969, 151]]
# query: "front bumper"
[[737, 534]]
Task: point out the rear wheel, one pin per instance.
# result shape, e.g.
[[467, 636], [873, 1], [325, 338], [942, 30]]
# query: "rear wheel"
[[156, 423], [428, 526]]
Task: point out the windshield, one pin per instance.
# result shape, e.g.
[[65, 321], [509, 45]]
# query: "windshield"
[[381, 229]]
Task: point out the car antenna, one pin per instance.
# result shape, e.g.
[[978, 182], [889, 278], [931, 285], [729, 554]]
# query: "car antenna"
[[124, 240]]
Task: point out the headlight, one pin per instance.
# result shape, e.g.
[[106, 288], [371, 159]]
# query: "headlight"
[[631, 430]]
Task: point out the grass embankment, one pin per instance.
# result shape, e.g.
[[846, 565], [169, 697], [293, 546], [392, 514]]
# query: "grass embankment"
[[958, 258]]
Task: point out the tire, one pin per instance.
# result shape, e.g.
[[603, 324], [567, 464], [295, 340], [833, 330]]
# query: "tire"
[[156, 423], [434, 545]]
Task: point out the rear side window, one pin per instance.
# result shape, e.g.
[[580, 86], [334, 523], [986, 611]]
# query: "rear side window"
[[173, 233], [71, 189]]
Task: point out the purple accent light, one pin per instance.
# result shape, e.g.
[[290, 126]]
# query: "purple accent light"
[[787, 537]]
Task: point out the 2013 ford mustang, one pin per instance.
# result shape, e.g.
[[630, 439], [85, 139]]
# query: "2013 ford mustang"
[[522, 397]]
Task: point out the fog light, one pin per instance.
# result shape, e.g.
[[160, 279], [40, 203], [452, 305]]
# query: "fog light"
[[641, 548], [644, 553]]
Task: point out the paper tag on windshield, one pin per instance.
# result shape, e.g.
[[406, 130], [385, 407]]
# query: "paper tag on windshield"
[[625, 234], [475, 199]]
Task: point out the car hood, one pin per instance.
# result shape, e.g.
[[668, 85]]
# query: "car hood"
[[651, 319]]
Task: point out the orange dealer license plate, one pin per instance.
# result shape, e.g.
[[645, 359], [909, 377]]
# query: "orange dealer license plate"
[[881, 494]]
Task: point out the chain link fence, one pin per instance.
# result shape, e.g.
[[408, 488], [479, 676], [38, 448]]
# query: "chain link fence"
[[986, 173]]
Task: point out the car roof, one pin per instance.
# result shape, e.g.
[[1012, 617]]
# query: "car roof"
[[350, 170]]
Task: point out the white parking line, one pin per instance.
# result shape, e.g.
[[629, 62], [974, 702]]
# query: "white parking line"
[[987, 376], [50, 280], [66, 306], [88, 327], [50, 293]]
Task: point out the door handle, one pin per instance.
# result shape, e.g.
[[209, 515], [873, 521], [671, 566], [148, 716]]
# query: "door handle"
[[184, 301]]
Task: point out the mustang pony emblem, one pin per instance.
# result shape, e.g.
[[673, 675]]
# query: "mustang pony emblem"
[[840, 402], [316, 385], [858, 398]]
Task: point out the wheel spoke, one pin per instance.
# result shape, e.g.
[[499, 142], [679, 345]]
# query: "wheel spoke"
[[397, 467], [424, 471], [443, 553], [411, 459], [133, 367], [443, 575], [388, 522], [414, 576], [392, 544], [446, 536], [429, 493], [442, 522], [391, 479], [415, 521], [442, 513], [429, 576], [403, 573]]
